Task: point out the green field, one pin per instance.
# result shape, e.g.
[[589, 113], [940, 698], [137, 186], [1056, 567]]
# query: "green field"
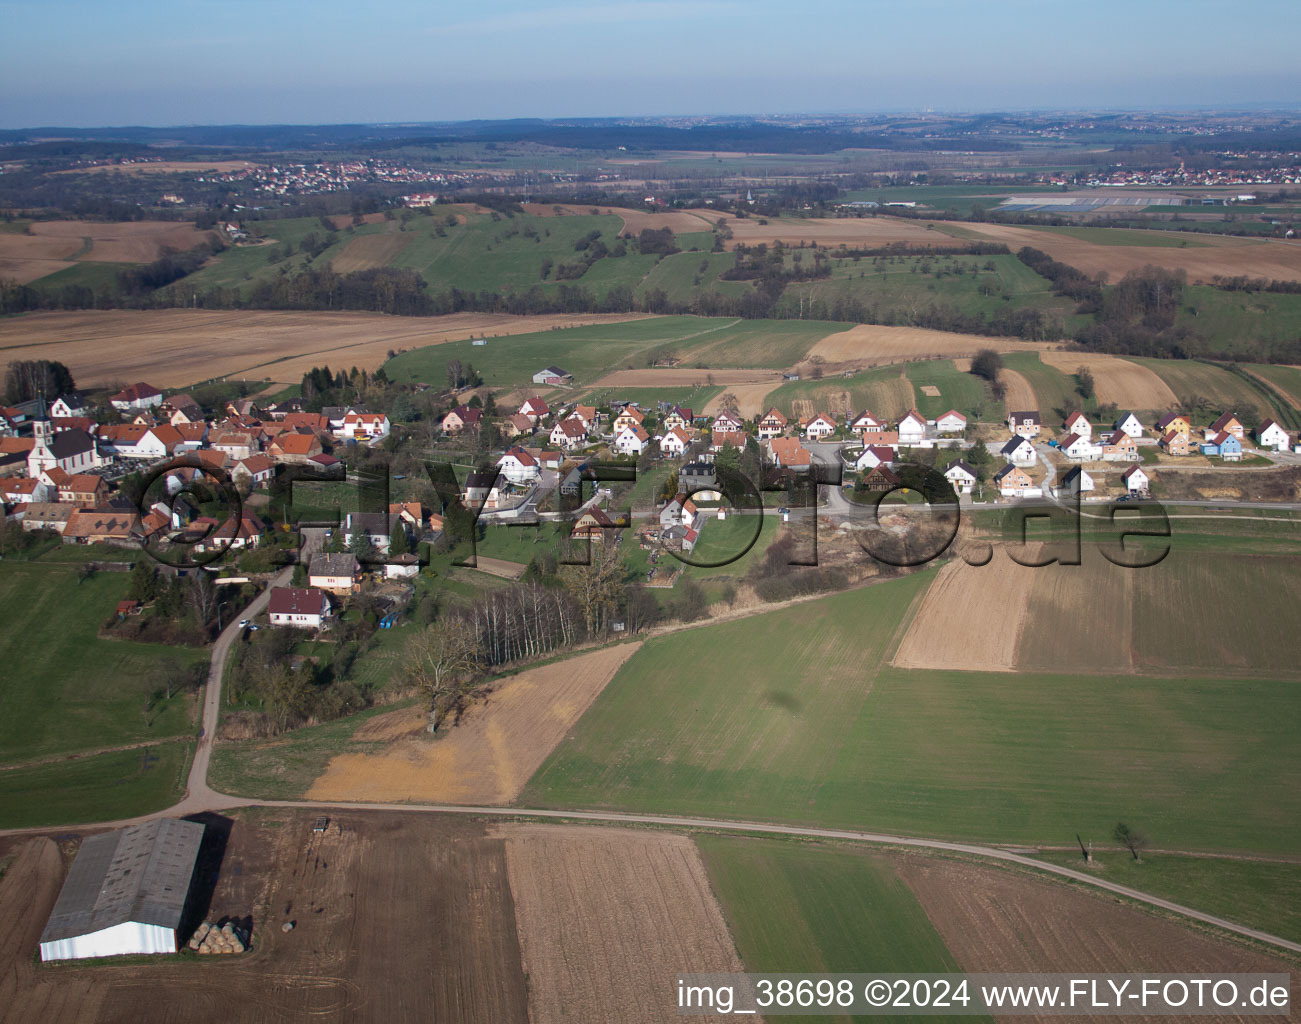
[[1261, 894], [586, 352], [84, 274], [63, 689], [1193, 382], [884, 390], [958, 198], [773, 344], [693, 398], [794, 716], [106, 787], [678, 274], [1126, 236], [794, 908], [1054, 390], [965, 392]]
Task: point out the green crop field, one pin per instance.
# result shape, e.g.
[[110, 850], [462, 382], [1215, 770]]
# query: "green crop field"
[[795, 716], [106, 787], [1258, 893], [678, 274], [1234, 321], [1054, 390], [884, 390], [1126, 236], [965, 392], [772, 344], [84, 274], [693, 398], [1194, 382], [958, 198], [812, 909], [586, 352], [63, 689]]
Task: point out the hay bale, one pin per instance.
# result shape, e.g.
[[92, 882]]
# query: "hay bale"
[[288, 926]]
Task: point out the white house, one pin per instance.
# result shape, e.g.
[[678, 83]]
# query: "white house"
[[1136, 481], [1075, 482], [535, 408], [865, 422], [1080, 449], [569, 434], [961, 476], [1078, 424], [725, 421], [137, 396], [1270, 435], [675, 442], [303, 607], [519, 467], [819, 427], [952, 422], [71, 404], [367, 426], [125, 893], [1019, 451], [912, 428], [1130, 424], [631, 439], [1024, 423], [872, 456]]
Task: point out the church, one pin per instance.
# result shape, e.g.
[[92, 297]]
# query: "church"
[[72, 451]]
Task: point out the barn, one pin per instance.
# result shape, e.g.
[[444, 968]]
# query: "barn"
[[126, 892]]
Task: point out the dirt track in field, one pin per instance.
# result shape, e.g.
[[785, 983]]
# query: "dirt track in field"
[[178, 347], [971, 618], [1206, 256], [876, 345], [995, 921], [491, 754], [1129, 385], [685, 377], [369, 251], [1020, 395], [607, 920]]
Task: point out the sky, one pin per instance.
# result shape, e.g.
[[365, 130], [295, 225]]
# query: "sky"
[[91, 63]]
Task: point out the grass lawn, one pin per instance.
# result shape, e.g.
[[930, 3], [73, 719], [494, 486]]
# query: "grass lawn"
[[106, 787], [1261, 894], [965, 392], [63, 689], [799, 908], [694, 398], [794, 716], [586, 352]]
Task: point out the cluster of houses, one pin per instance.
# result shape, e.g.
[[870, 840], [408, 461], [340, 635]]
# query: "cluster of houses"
[[56, 461]]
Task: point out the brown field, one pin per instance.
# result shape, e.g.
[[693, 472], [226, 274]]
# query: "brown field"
[[930, 391], [1129, 385], [972, 617], [137, 241], [22, 269], [608, 918], [1020, 395], [1227, 256], [369, 251], [890, 398], [851, 231], [750, 399], [495, 749], [686, 377], [995, 921], [875, 345], [343, 220], [177, 347], [1080, 618], [164, 167], [680, 221], [500, 567], [392, 912]]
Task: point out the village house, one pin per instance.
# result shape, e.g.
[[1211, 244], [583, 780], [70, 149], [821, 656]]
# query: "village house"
[[102, 526], [47, 515], [952, 422], [1136, 481], [535, 409], [1074, 483], [1224, 445], [569, 434], [1078, 424], [24, 490], [720, 439], [1270, 435], [254, 471], [1174, 421], [874, 455], [678, 417], [912, 428], [1227, 422], [461, 418], [680, 511], [726, 421], [180, 409], [519, 467], [516, 425], [69, 405], [377, 527], [1130, 424], [84, 490], [1019, 451], [295, 449], [866, 423], [628, 417], [961, 476], [819, 426], [592, 524], [238, 444], [301, 607], [1175, 442], [675, 442], [337, 573], [1079, 448], [788, 453], [631, 439], [1120, 447], [586, 415], [1015, 482], [137, 396], [1024, 423], [879, 478], [236, 534], [773, 424], [365, 426], [410, 512]]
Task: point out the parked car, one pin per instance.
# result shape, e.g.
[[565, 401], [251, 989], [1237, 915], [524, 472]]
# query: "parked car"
[[245, 623]]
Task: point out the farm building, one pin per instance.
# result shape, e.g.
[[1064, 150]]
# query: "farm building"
[[952, 422], [553, 375], [126, 892]]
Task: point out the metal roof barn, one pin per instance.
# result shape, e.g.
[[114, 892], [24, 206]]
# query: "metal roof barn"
[[126, 892]]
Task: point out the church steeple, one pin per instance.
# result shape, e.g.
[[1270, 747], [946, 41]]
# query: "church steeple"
[[42, 429]]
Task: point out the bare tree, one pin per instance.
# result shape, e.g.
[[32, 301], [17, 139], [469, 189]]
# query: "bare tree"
[[440, 661], [597, 586], [1132, 839]]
